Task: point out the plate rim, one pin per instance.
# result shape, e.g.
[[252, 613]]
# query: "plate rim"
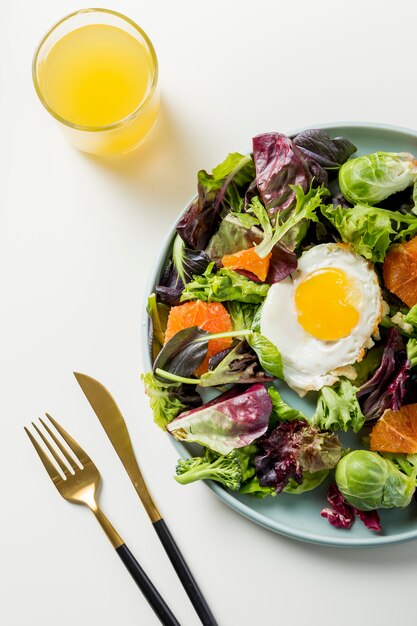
[[228, 498]]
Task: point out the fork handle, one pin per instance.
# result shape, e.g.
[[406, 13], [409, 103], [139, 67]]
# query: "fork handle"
[[184, 573], [150, 592]]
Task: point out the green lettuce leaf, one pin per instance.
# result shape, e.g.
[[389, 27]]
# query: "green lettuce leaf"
[[225, 285], [310, 481], [163, 399], [338, 408], [231, 236], [248, 221], [412, 351], [158, 313], [365, 368], [411, 317], [254, 488], [269, 356], [243, 315], [235, 172], [370, 230], [282, 412]]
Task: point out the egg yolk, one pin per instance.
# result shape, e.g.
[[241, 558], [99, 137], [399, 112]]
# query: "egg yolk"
[[325, 303]]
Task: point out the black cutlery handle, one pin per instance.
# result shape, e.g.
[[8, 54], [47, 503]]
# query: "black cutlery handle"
[[150, 592], [184, 574]]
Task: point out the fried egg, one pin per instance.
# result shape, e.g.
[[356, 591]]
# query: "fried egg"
[[322, 316]]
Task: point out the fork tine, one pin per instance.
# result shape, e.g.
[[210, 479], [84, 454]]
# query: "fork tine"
[[49, 466], [75, 448], [64, 452], [62, 466]]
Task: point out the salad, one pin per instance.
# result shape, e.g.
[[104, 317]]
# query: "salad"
[[294, 266]]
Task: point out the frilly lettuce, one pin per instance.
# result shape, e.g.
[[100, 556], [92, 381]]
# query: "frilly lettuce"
[[287, 226], [224, 285], [338, 408], [370, 230]]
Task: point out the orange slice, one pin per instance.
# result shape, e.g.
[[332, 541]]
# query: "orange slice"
[[396, 431], [400, 271], [248, 260], [210, 316]]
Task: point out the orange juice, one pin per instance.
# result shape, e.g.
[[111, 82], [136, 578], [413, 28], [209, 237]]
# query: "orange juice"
[[99, 80]]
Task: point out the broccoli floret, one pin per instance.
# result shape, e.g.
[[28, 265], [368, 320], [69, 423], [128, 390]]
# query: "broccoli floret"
[[224, 469], [231, 470]]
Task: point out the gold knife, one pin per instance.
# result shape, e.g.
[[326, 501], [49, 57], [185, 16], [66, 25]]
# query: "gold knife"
[[113, 422]]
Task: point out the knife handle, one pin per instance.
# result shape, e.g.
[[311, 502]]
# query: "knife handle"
[[184, 573], [150, 592]]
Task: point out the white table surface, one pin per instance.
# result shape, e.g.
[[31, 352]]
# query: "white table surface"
[[78, 237]]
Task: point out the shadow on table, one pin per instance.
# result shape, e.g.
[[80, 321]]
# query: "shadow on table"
[[162, 168]]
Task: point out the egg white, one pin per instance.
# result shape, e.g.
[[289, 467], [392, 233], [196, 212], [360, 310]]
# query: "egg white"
[[309, 362]]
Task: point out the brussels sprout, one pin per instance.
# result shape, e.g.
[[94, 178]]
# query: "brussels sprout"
[[372, 178], [369, 481]]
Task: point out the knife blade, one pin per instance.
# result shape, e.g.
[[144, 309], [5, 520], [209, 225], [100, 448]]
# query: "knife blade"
[[113, 422]]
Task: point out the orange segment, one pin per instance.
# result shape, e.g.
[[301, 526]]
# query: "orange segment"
[[396, 431], [248, 260], [210, 316], [400, 271]]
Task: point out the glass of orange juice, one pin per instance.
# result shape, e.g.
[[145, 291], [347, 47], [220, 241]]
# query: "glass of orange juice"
[[96, 72]]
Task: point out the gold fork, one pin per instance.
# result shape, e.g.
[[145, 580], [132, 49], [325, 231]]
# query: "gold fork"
[[77, 480]]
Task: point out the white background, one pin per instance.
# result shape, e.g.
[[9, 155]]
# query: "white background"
[[78, 237]]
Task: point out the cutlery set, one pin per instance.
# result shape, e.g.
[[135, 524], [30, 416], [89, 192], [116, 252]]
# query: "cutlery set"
[[77, 479]]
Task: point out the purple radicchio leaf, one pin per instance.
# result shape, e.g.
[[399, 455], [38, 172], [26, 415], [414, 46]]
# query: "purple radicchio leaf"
[[278, 164], [370, 519], [283, 262], [341, 514], [386, 389], [327, 152], [184, 352], [338, 199], [249, 275], [230, 421], [318, 173], [195, 226], [218, 193], [170, 285]]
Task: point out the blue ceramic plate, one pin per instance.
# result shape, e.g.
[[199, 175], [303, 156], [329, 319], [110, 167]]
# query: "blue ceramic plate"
[[299, 516]]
